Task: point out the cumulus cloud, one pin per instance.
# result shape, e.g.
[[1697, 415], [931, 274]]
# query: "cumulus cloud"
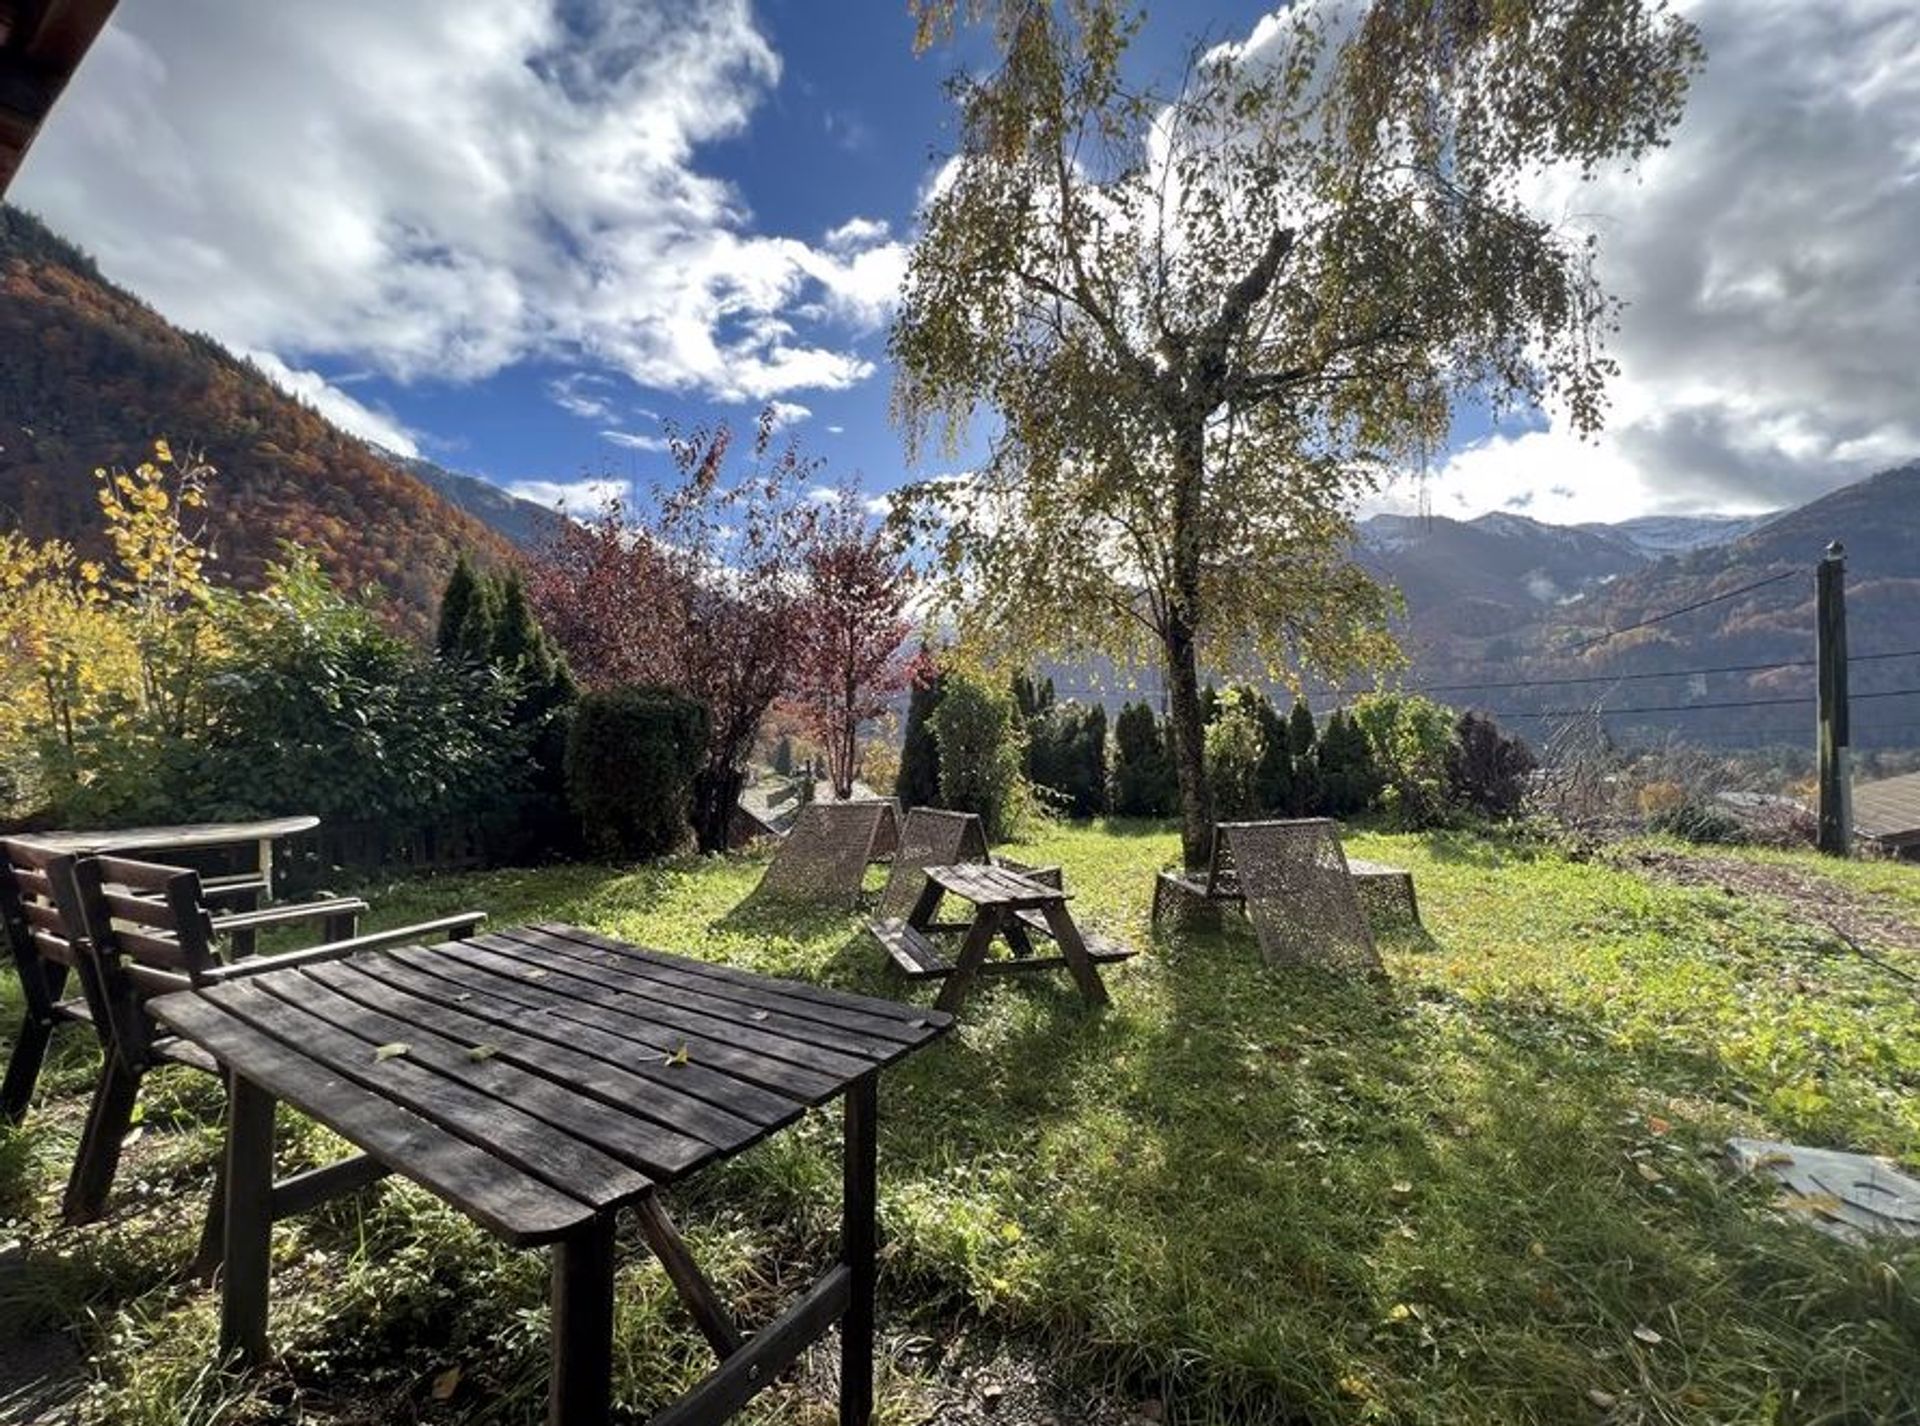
[[576, 497], [446, 187], [1771, 262], [787, 414], [369, 423]]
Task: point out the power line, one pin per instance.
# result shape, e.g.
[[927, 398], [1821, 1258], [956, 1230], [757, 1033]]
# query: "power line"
[[1683, 609], [1800, 701], [1622, 677]]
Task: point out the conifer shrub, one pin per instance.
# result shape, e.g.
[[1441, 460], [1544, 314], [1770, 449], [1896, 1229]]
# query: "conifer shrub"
[[631, 758]]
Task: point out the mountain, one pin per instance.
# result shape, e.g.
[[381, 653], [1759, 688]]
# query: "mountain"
[[90, 376], [522, 523], [1489, 576], [1758, 641], [1656, 535]]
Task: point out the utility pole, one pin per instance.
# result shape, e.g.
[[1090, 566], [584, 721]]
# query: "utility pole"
[[1830, 651]]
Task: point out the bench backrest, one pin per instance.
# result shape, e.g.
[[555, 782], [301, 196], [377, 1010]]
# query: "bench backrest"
[[43, 927], [1299, 892]]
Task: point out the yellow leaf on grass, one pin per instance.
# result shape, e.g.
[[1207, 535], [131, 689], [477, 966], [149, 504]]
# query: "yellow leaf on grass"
[[1648, 1172], [446, 1384], [1647, 1335]]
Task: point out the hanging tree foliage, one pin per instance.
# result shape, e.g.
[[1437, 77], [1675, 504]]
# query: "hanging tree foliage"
[[1208, 322]]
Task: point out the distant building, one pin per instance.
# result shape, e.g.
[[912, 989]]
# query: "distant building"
[[1888, 812]]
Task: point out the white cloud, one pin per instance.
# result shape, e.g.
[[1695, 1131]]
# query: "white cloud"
[[787, 414], [582, 394], [857, 233], [576, 497], [836, 430], [628, 441], [824, 494], [369, 423], [441, 188], [1770, 261]]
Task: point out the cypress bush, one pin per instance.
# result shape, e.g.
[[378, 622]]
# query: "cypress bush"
[[631, 757], [982, 742], [918, 782], [1143, 780]]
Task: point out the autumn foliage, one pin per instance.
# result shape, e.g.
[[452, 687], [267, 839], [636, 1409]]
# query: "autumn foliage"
[[851, 634]]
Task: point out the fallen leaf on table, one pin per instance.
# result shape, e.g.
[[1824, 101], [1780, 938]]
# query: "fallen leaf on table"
[[388, 1052], [483, 1052], [679, 1056]]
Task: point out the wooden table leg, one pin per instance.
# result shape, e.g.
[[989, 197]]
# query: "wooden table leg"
[[925, 905], [1074, 949], [581, 1392], [953, 994], [249, 1222], [859, 1245]]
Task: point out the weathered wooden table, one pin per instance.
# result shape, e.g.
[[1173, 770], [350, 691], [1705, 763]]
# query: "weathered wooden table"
[[541, 1079], [247, 847], [1008, 905]]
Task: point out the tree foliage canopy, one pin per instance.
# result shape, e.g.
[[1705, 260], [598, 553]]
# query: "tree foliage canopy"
[[1207, 322]]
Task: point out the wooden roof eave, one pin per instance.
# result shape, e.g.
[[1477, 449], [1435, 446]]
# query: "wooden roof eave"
[[41, 44]]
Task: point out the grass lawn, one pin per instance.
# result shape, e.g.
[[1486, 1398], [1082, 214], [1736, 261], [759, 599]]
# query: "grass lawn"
[[1487, 1192]]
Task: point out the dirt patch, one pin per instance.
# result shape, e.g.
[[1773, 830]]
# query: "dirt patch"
[[1818, 900]]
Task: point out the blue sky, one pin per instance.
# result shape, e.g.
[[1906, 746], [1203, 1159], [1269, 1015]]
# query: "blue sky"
[[494, 231]]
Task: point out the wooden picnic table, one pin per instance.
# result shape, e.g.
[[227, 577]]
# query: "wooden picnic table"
[[1006, 905], [541, 1079], [247, 847]]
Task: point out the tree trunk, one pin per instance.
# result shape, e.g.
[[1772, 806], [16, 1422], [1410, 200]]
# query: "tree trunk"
[[1189, 746], [715, 790], [1180, 639]]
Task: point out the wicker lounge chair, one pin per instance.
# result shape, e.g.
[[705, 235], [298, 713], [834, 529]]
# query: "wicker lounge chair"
[[824, 857], [1294, 882]]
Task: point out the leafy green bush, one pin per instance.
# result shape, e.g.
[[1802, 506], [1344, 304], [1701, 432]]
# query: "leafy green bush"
[[631, 758], [1697, 822], [982, 742], [1143, 783], [315, 707], [1488, 768], [1411, 739], [1236, 750]]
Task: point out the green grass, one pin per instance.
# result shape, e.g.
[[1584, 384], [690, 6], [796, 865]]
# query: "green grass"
[[1255, 1195]]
